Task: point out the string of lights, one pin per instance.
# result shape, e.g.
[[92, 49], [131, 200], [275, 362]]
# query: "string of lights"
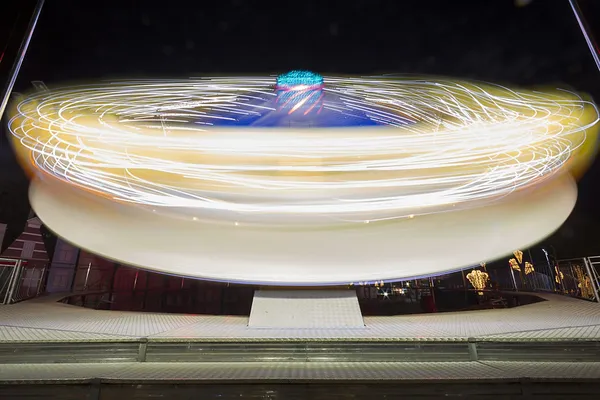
[[182, 146]]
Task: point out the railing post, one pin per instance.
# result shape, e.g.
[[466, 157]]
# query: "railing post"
[[13, 270], [550, 271], [41, 280], [593, 281], [595, 276], [29, 283], [512, 274], [13, 283], [472, 345], [87, 275], [142, 350], [137, 272], [4, 96]]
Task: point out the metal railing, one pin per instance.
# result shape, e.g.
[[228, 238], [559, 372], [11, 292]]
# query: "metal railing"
[[203, 350], [20, 281], [576, 277]]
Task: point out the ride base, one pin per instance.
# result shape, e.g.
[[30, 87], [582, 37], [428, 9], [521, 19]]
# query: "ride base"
[[306, 309]]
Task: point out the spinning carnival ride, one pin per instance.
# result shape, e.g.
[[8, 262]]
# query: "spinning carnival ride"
[[302, 179]]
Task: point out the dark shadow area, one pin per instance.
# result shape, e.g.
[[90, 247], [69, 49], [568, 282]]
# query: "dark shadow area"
[[221, 299], [509, 389]]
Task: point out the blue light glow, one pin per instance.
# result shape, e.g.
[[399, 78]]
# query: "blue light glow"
[[299, 99], [299, 80]]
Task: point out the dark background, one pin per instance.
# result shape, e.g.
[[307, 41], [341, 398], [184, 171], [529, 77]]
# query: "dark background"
[[505, 41]]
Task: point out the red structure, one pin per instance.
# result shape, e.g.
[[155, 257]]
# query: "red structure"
[[23, 277], [29, 246]]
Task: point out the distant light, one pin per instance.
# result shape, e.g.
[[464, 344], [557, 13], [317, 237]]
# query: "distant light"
[[522, 3]]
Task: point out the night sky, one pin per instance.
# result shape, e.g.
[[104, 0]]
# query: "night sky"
[[495, 40]]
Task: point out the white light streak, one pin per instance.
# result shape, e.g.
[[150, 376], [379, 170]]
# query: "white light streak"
[[444, 144]]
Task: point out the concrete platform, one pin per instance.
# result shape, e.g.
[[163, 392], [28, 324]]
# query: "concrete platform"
[[45, 319], [44, 341]]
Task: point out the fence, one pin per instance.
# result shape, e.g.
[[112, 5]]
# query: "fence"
[[20, 281], [578, 277]]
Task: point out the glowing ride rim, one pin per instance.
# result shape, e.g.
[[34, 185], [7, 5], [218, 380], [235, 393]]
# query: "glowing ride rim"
[[396, 250], [558, 127]]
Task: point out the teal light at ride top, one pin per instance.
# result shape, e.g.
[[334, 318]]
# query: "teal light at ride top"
[[299, 80]]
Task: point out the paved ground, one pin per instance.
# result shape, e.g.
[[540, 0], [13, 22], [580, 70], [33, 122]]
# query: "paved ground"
[[44, 319]]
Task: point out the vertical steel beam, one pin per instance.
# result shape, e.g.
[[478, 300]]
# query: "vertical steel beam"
[[14, 282], [593, 281], [20, 56], [585, 30]]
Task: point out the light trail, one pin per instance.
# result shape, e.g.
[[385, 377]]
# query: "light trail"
[[443, 145]]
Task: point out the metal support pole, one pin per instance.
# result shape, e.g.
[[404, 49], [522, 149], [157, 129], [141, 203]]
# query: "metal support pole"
[[135, 280], [528, 281], [512, 274], [137, 273], [9, 282], [465, 288], [574, 278], [522, 276], [554, 272], [39, 286], [14, 282], [550, 271], [560, 278], [585, 30], [87, 275], [592, 280], [30, 279], [595, 276], [111, 287], [45, 280], [472, 345], [113, 277], [75, 271], [432, 290], [142, 350], [21, 56]]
